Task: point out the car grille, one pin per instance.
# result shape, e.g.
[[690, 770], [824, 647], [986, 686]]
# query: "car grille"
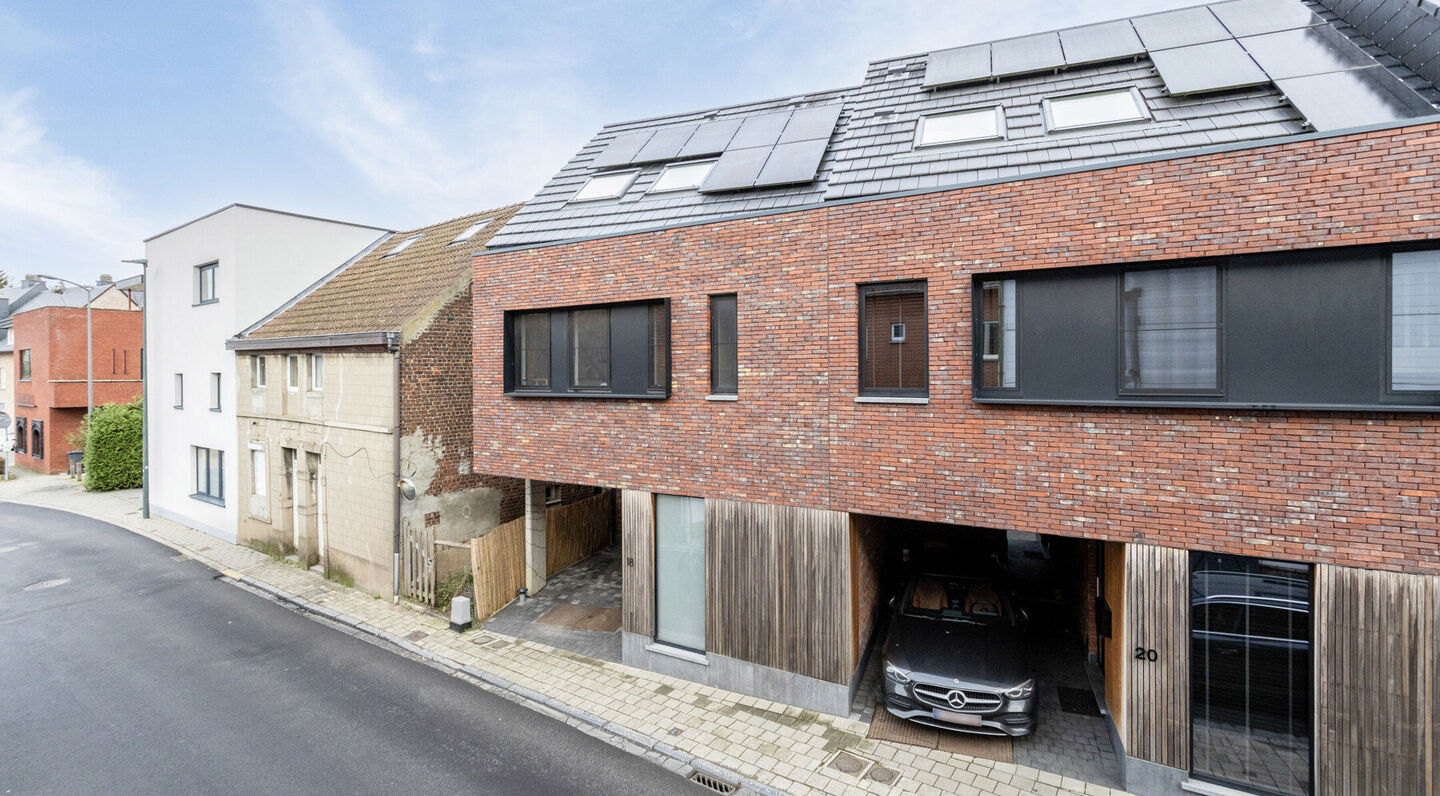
[[937, 696]]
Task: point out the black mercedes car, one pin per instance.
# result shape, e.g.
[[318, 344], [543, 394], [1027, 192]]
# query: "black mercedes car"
[[954, 657]]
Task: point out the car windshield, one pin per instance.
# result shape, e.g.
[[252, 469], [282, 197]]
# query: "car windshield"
[[956, 600]]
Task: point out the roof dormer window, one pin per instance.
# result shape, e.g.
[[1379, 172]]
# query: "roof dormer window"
[[606, 186], [1095, 108], [403, 245], [978, 124], [682, 176]]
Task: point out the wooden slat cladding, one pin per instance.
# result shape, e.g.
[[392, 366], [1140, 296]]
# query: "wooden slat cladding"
[[637, 548], [575, 530], [497, 560], [1157, 617], [867, 540], [1376, 701], [779, 582]]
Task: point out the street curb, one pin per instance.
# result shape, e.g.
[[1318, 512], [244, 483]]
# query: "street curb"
[[618, 731]]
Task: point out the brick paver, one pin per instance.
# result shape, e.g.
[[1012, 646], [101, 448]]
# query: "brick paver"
[[770, 746]]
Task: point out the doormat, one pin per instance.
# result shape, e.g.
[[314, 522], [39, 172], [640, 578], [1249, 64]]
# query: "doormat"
[[582, 617], [1080, 701], [886, 726]]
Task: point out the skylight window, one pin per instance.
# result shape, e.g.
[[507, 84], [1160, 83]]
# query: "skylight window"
[[682, 176], [951, 128], [606, 186], [404, 244], [470, 231], [1094, 109]]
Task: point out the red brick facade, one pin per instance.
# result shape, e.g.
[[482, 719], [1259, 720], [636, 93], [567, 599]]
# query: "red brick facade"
[[1339, 487], [56, 392]]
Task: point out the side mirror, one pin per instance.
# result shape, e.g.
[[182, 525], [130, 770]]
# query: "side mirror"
[[895, 602]]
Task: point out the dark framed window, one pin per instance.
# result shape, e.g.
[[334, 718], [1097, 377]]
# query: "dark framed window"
[[209, 475], [1415, 322], [179, 391], [590, 349], [997, 335], [205, 290], [37, 439], [24, 365], [532, 349], [659, 342], [724, 345], [21, 429], [1170, 331], [891, 367], [214, 392]]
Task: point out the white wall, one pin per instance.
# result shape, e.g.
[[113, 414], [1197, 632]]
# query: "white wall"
[[264, 258]]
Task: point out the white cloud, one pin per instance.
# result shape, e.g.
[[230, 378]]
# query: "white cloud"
[[59, 213]]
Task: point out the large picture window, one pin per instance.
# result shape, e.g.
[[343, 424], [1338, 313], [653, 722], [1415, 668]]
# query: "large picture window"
[[612, 350], [680, 572], [893, 336], [209, 475], [1170, 330], [1415, 322], [1250, 672]]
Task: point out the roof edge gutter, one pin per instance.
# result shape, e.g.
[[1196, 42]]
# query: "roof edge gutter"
[[343, 340]]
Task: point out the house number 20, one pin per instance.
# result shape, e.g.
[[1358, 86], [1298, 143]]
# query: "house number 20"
[[1146, 654]]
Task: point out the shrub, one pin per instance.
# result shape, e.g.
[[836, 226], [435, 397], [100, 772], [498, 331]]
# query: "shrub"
[[114, 447]]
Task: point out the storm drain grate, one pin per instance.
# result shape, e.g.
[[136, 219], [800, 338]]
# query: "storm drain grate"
[[706, 781], [1080, 701]]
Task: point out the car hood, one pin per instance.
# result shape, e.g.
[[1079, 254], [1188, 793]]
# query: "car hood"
[[932, 649]]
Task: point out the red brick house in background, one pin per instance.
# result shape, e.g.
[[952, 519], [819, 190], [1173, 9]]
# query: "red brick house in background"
[[50, 367]]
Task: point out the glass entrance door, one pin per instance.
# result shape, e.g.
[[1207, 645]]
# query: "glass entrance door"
[[1250, 672], [680, 572]]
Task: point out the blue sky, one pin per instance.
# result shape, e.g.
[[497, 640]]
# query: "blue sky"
[[118, 121]]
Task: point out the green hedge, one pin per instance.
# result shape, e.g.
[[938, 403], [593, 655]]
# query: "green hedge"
[[113, 447]]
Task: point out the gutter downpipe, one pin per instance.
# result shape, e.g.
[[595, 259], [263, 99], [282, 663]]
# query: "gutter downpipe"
[[392, 342]]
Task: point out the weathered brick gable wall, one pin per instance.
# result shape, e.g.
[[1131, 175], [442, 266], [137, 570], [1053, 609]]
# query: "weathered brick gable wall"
[[1339, 487]]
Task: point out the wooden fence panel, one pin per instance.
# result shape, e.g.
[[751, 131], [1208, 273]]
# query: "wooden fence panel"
[[575, 530], [1375, 692], [1157, 617], [497, 560], [637, 549], [418, 563]]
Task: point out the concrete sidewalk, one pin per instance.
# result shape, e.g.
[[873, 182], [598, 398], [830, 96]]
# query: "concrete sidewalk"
[[765, 747]]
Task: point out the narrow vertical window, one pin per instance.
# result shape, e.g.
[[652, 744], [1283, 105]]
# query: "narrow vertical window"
[[1415, 322], [25, 365], [317, 372], [21, 425], [292, 372], [257, 371], [680, 572], [590, 349], [209, 475], [893, 340], [37, 439], [214, 392], [179, 391], [532, 346], [1170, 330], [724, 345], [997, 334], [205, 284], [4, 378], [659, 336], [258, 473]]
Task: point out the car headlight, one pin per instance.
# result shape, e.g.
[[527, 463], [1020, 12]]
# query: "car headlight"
[[897, 674], [1022, 691]]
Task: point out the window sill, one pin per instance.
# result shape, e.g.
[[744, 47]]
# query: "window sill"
[[205, 303], [722, 397], [675, 652], [890, 399], [178, 406], [204, 498], [600, 395], [216, 409]]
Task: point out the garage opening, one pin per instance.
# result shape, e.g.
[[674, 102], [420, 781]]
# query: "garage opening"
[[968, 610]]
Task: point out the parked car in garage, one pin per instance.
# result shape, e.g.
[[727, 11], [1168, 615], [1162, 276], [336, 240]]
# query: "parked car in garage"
[[954, 657]]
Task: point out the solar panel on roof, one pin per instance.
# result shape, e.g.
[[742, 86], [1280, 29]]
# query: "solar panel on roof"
[[1179, 28], [1026, 54], [760, 130], [1337, 100], [1310, 51], [793, 162], [711, 138], [808, 124], [622, 149], [960, 65], [1104, 42], [1253, 17], [736, 169], [1215, 66], [665, 144]]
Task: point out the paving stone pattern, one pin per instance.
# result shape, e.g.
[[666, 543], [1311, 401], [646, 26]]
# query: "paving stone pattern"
[[595, 582], [772, 747]]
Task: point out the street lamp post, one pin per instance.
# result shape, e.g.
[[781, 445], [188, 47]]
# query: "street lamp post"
[[144, 386], [89, 351]]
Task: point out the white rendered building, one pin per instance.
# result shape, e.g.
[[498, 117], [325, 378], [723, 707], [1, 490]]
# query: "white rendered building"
[[207, 280]]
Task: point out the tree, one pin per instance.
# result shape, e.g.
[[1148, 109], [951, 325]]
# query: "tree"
[[4, 279]]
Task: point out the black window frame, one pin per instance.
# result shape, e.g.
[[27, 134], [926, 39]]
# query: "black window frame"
[[217, 385], [977, 331], [1218, 391], [863, 291], [657, 347], [37, 439], [519, 375], [26, 366], [211, 492], [731, 304], [572, 351], [22, 431], [629, 377], [201, 270], [1427, 396]]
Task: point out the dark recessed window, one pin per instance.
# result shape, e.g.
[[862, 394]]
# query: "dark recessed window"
[[590, 349], [209, 475], [214, 392], [25, 364], [532, 346], [891, 366], [205, 284], [1170, 330], [37, 439], [724, 344], [659, 337], [1415, 322], [21, 426]]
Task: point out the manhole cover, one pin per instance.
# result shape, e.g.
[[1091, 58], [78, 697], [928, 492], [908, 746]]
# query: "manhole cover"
[[47, 584], [882, 775], [847, 763]]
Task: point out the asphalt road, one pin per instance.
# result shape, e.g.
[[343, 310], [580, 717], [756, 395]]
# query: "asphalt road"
[[143, 674]]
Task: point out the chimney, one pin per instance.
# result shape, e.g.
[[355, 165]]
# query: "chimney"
[[104, 280], [30, 280]]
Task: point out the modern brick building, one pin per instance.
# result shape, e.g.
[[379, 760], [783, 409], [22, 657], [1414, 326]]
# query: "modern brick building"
[[1156, 301], [50, 368]]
